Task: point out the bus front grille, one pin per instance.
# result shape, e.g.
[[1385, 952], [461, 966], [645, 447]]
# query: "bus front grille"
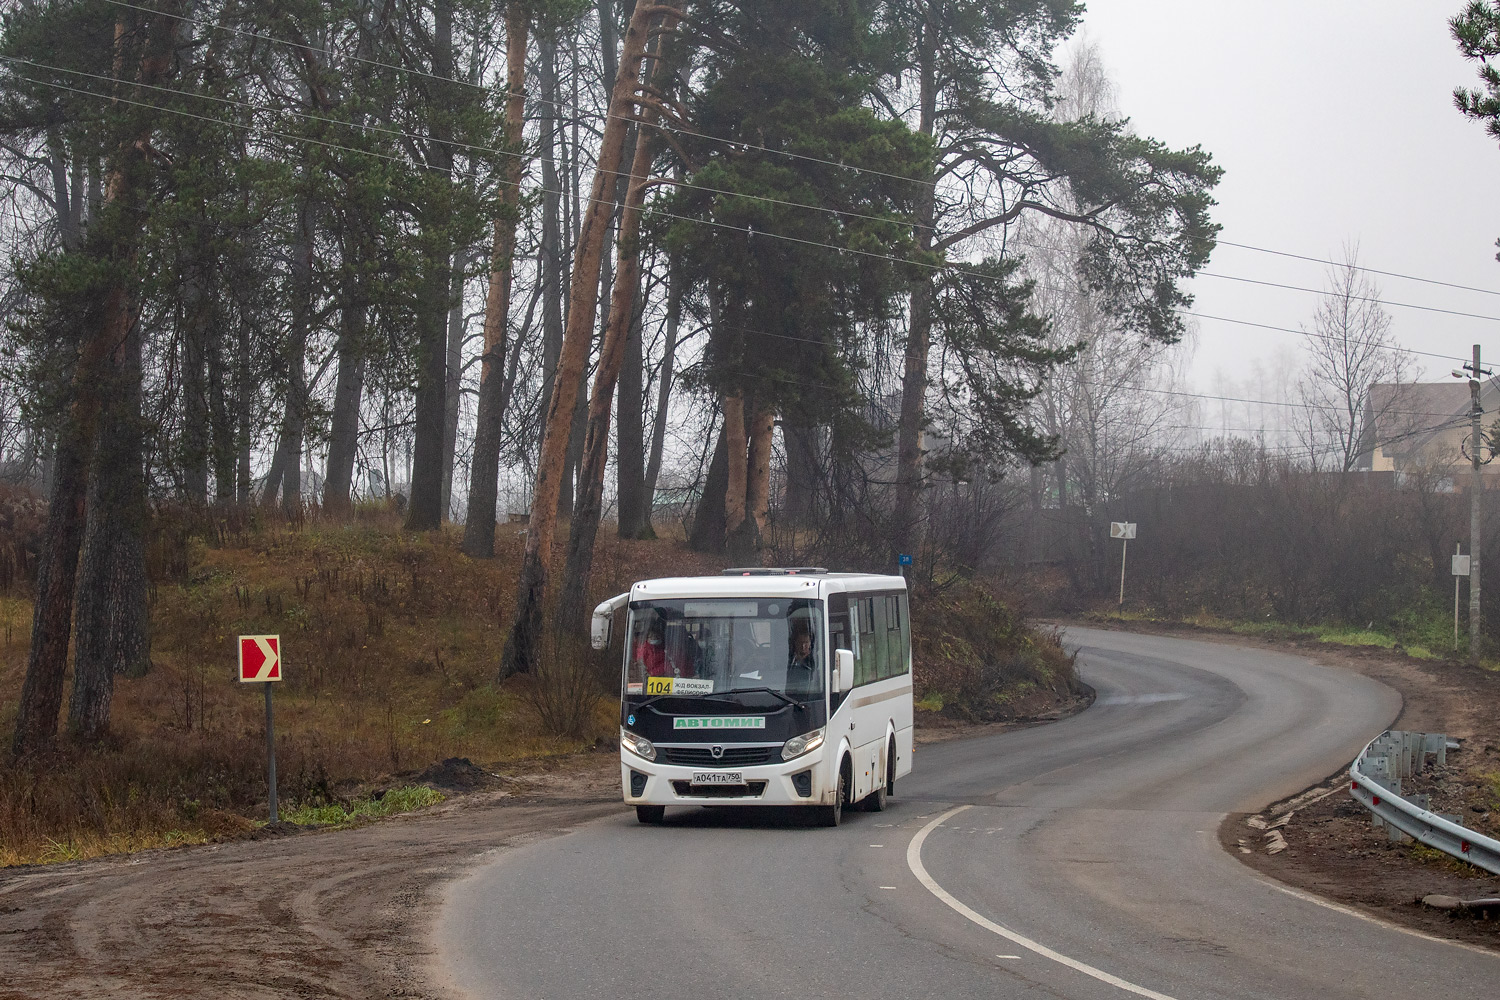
[[733, 756]]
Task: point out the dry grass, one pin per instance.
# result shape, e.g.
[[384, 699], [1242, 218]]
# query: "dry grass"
[[390, 644], [977, 660]]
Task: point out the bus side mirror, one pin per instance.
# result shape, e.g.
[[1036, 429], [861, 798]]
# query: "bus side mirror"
[[599, 632], [604, 614], [843, 670]]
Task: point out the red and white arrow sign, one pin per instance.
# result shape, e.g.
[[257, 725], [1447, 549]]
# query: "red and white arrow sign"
[[260, 658]]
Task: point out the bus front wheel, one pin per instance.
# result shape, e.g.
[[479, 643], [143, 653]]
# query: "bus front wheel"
[[651, 815], [834, 815]]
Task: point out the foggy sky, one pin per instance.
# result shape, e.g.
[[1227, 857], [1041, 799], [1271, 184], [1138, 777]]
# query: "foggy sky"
[[1334, 122]]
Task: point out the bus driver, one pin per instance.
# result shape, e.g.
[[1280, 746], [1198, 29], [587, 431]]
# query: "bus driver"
[[802, 671]]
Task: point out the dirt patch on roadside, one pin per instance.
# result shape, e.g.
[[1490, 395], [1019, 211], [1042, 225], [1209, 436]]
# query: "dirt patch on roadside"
[[1332, 848], [293, 912], [325, 914]]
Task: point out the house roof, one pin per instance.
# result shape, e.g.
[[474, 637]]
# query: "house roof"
[[1405, 417]]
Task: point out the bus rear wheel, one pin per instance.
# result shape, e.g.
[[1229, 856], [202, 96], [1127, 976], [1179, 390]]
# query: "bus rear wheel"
[[651, 815]]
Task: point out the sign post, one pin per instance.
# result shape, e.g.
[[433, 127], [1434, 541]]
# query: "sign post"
[[260, 663], [903, 560], [1460, 569], [1124, 531]]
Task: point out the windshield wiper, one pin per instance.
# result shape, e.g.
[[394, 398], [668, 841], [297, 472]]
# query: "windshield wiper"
[[716, 696], [767, 690]]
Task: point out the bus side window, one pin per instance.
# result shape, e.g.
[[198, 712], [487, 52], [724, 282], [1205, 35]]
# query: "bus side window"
[[905, 664], [838, 622], [895, 627], [887, 622], [871, 647]]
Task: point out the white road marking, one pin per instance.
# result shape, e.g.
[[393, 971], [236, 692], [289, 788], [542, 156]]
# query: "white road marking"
[[877, 845], [887, 887], [1007, 956], [1350, 911], [914, 862]]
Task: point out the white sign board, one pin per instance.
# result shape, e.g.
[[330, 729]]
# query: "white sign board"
[[1122, 529], [1460, 565]]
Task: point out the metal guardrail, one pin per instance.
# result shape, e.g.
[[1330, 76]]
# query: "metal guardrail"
[[1375, 782]]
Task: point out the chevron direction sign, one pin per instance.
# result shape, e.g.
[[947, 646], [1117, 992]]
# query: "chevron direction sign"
[[260, 658]]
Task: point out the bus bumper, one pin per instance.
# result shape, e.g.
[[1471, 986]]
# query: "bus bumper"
[[800, 781]]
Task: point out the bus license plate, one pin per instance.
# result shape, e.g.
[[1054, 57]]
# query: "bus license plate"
[[718, 778]]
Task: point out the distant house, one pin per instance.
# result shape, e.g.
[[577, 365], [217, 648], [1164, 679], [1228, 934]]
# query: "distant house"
[[1421, 427]]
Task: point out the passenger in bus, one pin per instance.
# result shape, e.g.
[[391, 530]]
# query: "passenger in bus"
[[650, 653], [655, 656]]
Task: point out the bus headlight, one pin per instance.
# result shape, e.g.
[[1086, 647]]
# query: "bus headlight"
[[799, 745], [638, 745]]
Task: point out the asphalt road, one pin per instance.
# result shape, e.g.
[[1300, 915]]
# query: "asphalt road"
[[1074, 860]]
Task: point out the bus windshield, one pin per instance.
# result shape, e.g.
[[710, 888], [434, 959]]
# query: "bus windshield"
[[702, 647]]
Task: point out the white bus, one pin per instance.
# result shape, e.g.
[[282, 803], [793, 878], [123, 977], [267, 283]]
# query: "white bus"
[[784, 687]]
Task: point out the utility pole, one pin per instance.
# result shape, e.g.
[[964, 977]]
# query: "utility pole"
[[1476, 502]]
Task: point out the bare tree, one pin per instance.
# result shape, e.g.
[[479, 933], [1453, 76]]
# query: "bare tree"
[[1349, 350], [1106, 407]]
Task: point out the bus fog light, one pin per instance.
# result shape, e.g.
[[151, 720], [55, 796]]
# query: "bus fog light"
[[638, 745], [799, 745]]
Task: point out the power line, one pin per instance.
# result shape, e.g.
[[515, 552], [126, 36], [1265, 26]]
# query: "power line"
[[456, 143], [560, 105], [1311, 335], [1357, 267], [1352, 298], [824, 385], [678, 217], [838, 213], [747, 230], [746, 145], [899, 357]]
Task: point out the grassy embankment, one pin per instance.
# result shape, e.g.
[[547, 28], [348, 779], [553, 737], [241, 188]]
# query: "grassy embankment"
[[1422, 633], [390, 643]]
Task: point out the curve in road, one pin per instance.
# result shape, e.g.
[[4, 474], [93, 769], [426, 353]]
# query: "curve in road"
[[1078, 860]]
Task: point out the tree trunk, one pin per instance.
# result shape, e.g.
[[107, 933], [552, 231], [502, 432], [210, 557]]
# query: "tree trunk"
[[343, 427], [221, 418], [907, 529], [531, 590], [630, 448], [746, 541], [709, 527], [195, 422], [552, 224], [453, 378], [567, 496], [802, 470], [113, 624], [663, 398], [484, 468], [736, 453], [425, 509], [108, 324], [622, 319], [286, 466], [57, 562], [244, 415]]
